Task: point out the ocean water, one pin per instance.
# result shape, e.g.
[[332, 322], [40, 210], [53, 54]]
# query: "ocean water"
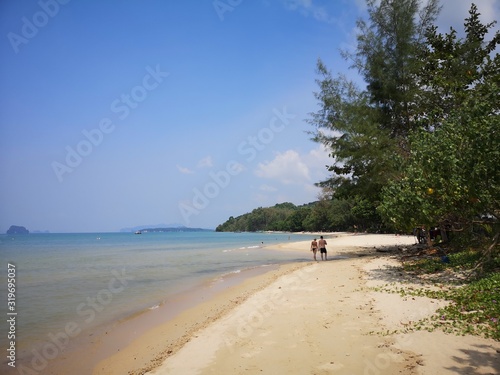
[[88, 280]]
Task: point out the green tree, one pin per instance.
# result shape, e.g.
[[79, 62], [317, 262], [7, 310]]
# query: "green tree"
[[365, 215], [367, 129], [318, 217], [340, 215], [387, 57], [452, 174], [295, 222], [455, 70]]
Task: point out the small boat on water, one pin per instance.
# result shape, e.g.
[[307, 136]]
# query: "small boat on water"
[[138, 232]]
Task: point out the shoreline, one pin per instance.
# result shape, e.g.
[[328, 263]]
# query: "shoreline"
[[54, 350], [84, 351], [310, 317], [165, 339], [245, 287]]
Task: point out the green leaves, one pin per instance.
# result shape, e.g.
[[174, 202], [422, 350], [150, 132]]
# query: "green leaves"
[[455, 151], [367, 129], [459, 162], [477, 308], [474, 306]]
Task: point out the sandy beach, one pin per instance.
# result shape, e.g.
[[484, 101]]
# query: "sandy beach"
[[308, 318]]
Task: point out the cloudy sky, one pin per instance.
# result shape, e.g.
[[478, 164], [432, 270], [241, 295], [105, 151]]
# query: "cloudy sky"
[[122, 113]]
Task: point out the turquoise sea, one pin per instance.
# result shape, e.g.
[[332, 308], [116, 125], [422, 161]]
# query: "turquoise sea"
[[92, 279]]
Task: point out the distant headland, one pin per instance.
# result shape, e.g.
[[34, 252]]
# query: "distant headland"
[[180, 228]]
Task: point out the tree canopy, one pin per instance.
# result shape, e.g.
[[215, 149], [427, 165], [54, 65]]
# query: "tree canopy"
[[420, 142], [451, 176], [330, 215]]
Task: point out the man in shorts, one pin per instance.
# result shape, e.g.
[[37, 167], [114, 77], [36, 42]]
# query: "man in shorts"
[[322, 247]]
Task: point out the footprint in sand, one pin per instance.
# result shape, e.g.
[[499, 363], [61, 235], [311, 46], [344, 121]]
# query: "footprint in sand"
[[251, 354], [331, 366]]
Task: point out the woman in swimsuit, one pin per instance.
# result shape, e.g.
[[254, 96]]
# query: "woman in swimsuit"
[[314, 247]]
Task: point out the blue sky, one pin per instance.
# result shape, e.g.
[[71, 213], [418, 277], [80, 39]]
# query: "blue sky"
[[122, 113]]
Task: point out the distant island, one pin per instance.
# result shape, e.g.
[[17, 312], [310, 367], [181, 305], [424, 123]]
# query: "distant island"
[[16, 229], [164, 228]]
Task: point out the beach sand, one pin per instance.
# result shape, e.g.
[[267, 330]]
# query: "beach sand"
[[308, 318]]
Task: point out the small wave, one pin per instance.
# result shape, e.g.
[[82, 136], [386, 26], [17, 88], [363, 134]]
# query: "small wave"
[[224, 275], [229, 273], [248, 247], [154, 307]]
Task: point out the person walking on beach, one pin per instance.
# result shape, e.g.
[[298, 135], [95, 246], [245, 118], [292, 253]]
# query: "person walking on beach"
[[314, 247], [322, 247]]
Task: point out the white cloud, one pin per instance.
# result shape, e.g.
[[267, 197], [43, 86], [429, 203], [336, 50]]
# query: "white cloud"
[[267, 188], [298, 4], [237, 168], [293, 175], [184, 170], [317, 159], [361, 5], [290, 167], [308, 8], [206, 162], [320, 155], [286, 168]]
